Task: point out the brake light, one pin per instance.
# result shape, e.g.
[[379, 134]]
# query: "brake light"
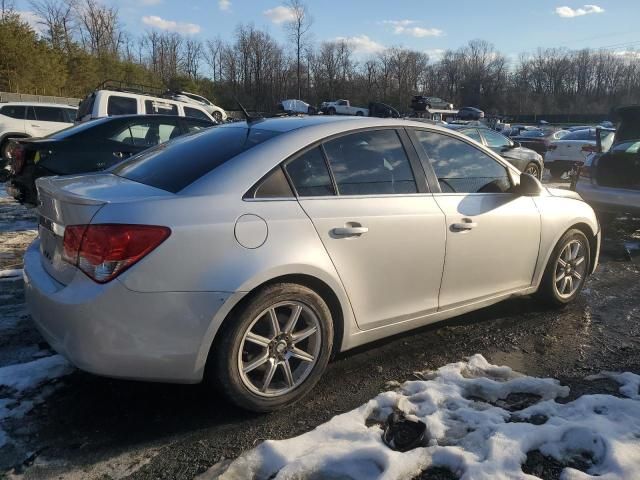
[[589, 148], [17, 156], [104, 251]]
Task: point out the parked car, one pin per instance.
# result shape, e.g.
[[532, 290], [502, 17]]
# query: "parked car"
[[539, 139], [218, 114], [568, 152], [524, 159], [470, 113], [250, 253], [343, 107], [24, 120], [382, 110], [107, 103], [420, 103], [90, 147], [296, 106], [609, 180]]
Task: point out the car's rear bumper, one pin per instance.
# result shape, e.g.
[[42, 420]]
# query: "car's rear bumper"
[[607, 199], [113, 331]]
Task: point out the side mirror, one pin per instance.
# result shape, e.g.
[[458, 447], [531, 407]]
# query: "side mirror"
[[529, 186], [516, 144]]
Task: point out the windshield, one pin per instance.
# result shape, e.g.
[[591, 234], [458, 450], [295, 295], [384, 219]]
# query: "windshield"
[[174, 165]]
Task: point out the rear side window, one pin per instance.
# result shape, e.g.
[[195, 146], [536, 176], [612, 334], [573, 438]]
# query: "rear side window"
[[86, 106], [193, 125], [13, 111], [70, 113], [121, 105], [195, 113], [309, 174], [155, 107], [175, 165], [146, 134], [51, 114], [370, 163], [274, 185]]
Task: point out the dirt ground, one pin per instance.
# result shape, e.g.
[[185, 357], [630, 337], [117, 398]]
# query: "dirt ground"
[[96, 428]]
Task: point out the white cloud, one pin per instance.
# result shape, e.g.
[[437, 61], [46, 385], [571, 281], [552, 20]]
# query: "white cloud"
[[408, 27], [630, 54], [363, 44], [170, 25], [32, 19], [279, 14], [568, 12], [224, 5]]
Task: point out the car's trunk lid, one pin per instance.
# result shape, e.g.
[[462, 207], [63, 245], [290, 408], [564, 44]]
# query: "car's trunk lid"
[[65, 201]]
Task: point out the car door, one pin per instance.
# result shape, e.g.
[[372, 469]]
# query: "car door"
[[493, 235], [382, 229], [137, 135], [49, 120]]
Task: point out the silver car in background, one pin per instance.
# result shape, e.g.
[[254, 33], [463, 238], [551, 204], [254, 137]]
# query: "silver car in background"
[[248, 254]]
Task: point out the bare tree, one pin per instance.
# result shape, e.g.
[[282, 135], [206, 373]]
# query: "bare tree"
[[99, 27], [298, 28], [57, 18]]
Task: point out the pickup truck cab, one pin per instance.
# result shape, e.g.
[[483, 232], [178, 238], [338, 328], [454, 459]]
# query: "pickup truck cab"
[[343, 107]]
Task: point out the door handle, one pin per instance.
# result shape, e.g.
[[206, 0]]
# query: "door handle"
[[466, 225], [349, 231]]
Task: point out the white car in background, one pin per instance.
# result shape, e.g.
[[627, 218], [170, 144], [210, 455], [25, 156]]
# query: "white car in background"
[[216, 112], [296, 106], [24, 120], [573, 148]]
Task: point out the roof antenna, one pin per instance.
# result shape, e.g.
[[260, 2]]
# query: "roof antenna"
[[247, 117]]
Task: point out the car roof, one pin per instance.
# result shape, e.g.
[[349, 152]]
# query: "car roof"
[[38, 104]]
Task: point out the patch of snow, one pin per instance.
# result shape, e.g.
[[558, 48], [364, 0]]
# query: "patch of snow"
[[14, 272], [470, 432], [26, 376], [629, 382]]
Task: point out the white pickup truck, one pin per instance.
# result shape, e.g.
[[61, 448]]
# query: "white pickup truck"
[[343, 107]]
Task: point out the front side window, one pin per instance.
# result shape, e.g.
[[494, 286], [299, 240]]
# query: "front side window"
[[13, 111], [370, 163], [462, 168], [194, 125], [121, 105], [195, 113], [495, 140], [309, 174]]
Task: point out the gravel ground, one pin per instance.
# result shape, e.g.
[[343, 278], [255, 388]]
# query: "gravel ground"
[[97, 428]]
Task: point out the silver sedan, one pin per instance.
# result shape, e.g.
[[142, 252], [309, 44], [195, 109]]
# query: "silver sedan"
[[248, 254]]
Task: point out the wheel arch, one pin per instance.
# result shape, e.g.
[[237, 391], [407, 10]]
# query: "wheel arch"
[[592, 237], [322, 288]]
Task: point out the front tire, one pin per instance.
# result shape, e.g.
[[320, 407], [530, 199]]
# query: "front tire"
[[557, 171], [331, 111], [567, 269], [534, 169], [273, 351], [359, 113]]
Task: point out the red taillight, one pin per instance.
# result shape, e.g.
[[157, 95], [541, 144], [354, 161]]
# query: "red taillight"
[[17, 156], [105, 251], [589, 148]]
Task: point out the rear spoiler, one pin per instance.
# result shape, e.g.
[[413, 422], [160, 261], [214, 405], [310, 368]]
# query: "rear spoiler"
[[55, 187]]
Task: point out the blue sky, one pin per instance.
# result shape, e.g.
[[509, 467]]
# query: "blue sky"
[[514, 26]]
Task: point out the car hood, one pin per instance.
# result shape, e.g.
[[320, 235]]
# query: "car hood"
[[561, 192]]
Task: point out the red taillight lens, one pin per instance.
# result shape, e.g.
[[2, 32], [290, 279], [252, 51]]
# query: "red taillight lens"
[[17, 156], [589, 148], [105, 251]]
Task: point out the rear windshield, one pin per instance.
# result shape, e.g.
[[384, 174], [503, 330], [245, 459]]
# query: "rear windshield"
[[77, 129], [174, 165]]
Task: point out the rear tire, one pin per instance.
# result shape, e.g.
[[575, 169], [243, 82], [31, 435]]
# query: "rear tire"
[[359, 113], [263, 367], [567, 269]]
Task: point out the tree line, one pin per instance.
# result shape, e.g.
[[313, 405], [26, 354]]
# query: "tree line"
[[80, 43]]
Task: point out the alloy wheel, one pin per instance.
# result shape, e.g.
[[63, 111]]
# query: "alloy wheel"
[[533, 170], [571, 268], [279, 349]]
